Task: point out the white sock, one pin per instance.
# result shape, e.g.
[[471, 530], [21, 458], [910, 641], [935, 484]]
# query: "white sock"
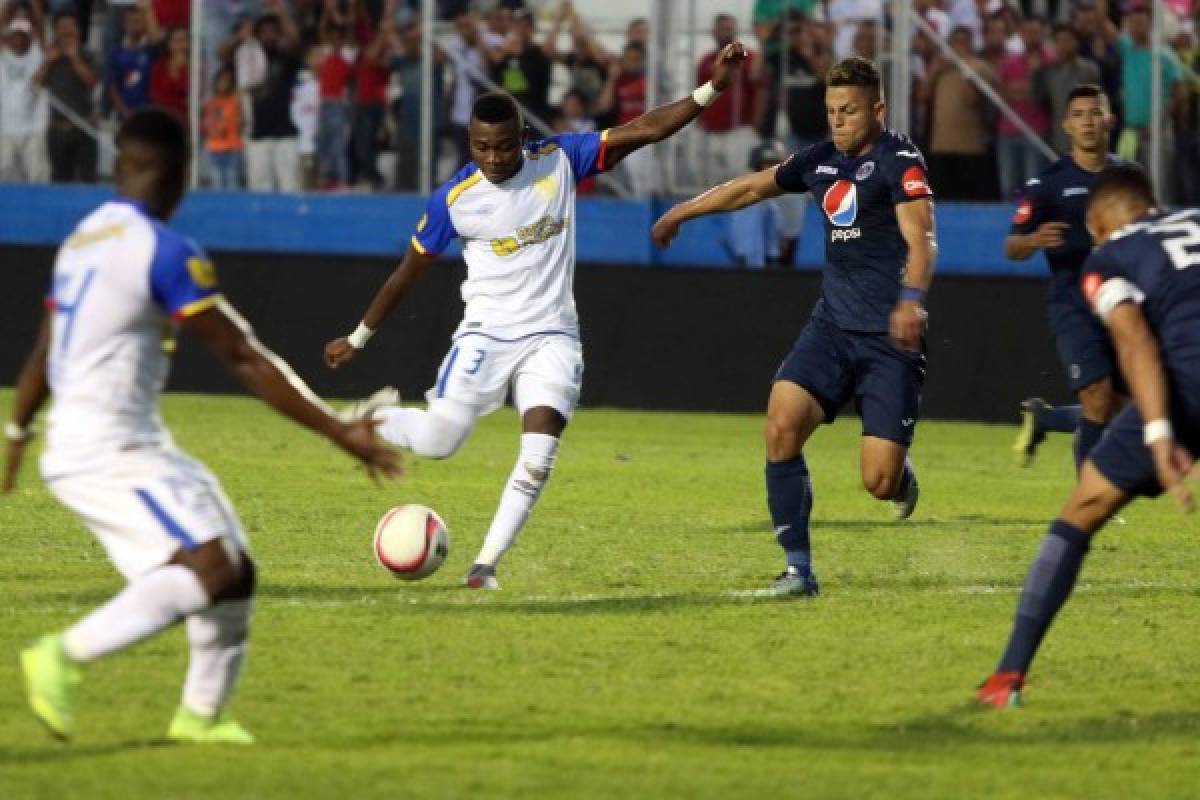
[[218, 637], [149, 604], [524, 486], [436, 433]]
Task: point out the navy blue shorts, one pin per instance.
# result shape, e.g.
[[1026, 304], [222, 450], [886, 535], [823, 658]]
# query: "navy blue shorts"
[[835, 365], [1123, 457], [1083, 344]]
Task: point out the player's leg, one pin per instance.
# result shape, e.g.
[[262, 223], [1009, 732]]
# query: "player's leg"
[[1037, 419], [1117, 470], [1099, 403], [888, 396], [546, 384], [1087, 355], [810, 386], [178, 553]]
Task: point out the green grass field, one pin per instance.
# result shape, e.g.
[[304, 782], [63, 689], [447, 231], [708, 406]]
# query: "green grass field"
[[616, 662]]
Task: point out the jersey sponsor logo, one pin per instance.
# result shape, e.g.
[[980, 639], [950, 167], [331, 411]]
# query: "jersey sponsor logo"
[[827, 170], [1024, 212], [914, 183], [908, 153], [546, 186], [841, 203], [543, 230], [845, 234], [1075, 191], [864, 171], [202, 272]]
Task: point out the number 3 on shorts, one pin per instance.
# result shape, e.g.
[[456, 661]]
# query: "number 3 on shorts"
[[475, 365]]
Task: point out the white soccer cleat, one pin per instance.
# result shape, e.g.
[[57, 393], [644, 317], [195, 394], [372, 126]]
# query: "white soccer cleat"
[[387, 396]]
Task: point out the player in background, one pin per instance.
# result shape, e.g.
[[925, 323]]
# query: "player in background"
[[865, 339], [120, 281], [1050, 218], [513, 207], [1143, 281]]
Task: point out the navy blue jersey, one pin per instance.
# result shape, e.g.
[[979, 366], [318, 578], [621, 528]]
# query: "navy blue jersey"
[[1156, 263], [1060, 194], [864, 250]]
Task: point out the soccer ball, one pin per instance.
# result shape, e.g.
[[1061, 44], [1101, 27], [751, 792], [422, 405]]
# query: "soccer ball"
[[411, 542]]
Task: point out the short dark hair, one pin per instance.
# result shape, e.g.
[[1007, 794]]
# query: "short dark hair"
[[638, 46], [1126, 182], [161, 132], [1085, 90], [496, 107], [855, 71]]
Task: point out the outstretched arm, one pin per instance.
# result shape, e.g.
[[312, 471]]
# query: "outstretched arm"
[[740, 192], [32, 390], [1138, 353], [659, 123], [265, 374], [395, 289]]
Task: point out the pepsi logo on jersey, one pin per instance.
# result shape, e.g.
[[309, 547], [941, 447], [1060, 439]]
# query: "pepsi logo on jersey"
[[841, 203]]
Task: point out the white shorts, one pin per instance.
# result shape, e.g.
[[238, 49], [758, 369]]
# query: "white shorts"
[[542, 370], [147, 504]]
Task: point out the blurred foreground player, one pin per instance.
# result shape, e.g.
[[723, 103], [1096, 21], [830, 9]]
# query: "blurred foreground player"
[[1144, 282], [513, 206], [120, 280], [866, 337], [1050, 217]]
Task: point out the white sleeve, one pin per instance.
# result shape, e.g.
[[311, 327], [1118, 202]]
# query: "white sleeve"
[[1112, 293]]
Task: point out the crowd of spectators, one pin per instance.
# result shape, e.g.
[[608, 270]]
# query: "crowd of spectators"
[[326, 94]]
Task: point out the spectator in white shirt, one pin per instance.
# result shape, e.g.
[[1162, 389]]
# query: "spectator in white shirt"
[[23, 113]]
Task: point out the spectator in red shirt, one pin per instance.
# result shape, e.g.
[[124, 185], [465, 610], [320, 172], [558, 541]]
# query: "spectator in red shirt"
[[170, 74], [624, 96], [730, 123], [334, 71], [173, 13], [370, 102]]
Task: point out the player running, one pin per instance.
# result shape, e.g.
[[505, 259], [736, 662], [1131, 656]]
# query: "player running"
[[513, 206], [121, 280], [1144, 282], [881, 247], [1050, 217]]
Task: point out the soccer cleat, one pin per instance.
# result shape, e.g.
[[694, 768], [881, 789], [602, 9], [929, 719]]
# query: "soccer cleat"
[[903, 507], [193, 728], [387, 396], [481, 576], [51, 680], [1001, 690], [1030, 433], [792, 582]]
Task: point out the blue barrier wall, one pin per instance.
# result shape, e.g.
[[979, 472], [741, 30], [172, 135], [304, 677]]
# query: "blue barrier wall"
[[610, 231]]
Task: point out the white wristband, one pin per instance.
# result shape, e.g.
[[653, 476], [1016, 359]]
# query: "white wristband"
[[15, 433], [1158, 429], [362, 334], [705, 95]]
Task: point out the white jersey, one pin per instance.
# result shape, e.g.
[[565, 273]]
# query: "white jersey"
[[121, 281], [518, 237]]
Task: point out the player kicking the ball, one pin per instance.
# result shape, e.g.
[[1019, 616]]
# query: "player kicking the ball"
[[120, 280], [1143, 281], [865, 339], [513, 206]]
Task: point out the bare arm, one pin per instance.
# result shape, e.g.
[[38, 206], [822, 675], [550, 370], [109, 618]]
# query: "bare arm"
[[394, 289], [154, 31], [1020, 246], [659, 123], [907, 321], [1138, 354], [550, 43], [32, 390], [740, 192], [287, 25], [1108, 28], [262, 372]]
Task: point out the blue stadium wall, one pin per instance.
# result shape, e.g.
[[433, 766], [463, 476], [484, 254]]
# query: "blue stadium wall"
[[687, 335]]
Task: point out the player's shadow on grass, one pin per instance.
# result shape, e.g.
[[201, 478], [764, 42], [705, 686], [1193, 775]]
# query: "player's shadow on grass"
[[60, 752], [960, 523]]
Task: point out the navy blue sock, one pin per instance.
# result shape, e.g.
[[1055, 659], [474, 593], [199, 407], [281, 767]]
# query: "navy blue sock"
[[789, 496], [1047, 586], [1062, 419], [1086, 437]]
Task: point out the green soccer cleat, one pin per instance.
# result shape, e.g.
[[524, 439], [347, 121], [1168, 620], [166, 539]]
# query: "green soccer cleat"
[[1030, 434], [51, 680], [190, 727]]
